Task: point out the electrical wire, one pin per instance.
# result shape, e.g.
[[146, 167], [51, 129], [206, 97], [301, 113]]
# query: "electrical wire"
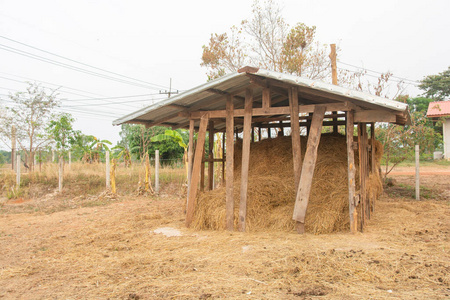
[[81, 63], [74, 68]]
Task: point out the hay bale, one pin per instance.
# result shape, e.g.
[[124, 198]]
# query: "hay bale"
[[271, 190]]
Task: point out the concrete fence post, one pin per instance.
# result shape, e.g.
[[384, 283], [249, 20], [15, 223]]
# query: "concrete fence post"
[[18, 170], [417, 173]]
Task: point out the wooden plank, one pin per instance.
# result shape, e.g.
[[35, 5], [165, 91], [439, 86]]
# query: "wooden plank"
[[295, 135], [245, 158], [309, 163], [211, 156], [281, 110], [351, 173], [230, 165], [368, 116], [190, 155], [196, 170]]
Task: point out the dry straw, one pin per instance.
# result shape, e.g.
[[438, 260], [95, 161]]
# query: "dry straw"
[[271, 191]]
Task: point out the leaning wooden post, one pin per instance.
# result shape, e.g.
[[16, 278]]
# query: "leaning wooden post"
[[18, 170], [295, 134], [230, 164], [157, 171], [417, 179], [309, 163], [190, 155], [245, 157], [113, 176], [199, 149], [61, 173], [108, 179], [351, 172]]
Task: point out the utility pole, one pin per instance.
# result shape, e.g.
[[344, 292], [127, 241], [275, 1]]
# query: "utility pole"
[[333, 56], [170, 92]]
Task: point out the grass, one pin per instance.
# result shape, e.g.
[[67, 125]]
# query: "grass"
[[426, 163]]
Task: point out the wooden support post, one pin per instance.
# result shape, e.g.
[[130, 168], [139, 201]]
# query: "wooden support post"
[[230, 165], [259, 134], [281, 132], [107, 163], [295, 135], [245, 157], [309, 163], [362, 141], [266, 99], [223, 157], [202, 172], [211, 156], [372, 152], [190, 155], [253, 134], [157, 165], [351, 173], [269, 132], [199, 150]]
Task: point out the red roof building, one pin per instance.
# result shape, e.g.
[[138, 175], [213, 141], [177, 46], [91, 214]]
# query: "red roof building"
[[440, 109]]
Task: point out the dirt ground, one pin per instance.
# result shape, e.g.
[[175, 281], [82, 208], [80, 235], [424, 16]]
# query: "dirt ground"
[[138, 248]]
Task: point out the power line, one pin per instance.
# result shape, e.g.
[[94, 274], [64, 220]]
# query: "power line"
[[362, 68], [58, 85], [78, 69], [81, 63]]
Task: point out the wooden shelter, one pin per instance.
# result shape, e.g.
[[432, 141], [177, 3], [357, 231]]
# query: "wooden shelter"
[[251, 99]]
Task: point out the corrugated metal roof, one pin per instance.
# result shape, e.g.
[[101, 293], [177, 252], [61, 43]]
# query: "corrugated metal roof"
[[209, 96], [438, 109]]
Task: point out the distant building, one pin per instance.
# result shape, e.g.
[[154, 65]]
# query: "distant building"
[[441, 109]]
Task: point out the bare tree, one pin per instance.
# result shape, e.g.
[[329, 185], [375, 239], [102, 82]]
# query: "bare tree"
[[267, 41], [30, 113]]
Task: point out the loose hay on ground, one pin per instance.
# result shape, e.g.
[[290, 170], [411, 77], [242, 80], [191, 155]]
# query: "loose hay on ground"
[[271, 191]]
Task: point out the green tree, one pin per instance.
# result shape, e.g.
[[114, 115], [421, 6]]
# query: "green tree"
[[60, 129], [437, 86], [138, 140]]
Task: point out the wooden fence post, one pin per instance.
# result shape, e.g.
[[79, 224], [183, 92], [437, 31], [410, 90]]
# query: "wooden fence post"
[[157, 171], [108, 179]]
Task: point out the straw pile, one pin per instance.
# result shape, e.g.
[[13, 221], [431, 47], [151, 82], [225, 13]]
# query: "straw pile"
[[271, 189]]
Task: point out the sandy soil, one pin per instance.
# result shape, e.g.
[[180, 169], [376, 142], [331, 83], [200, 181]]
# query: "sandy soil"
[[120, 249]]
